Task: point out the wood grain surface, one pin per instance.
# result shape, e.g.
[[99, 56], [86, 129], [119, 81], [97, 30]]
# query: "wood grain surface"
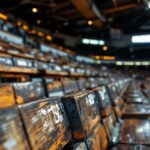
[[82, 112], [28, 91], [46, 124], [12, 135], [7, 96], [136, 111], [130, 147], [135, 131]]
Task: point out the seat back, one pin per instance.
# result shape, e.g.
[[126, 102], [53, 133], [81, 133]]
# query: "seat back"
[[103, 101], [28, 91], [69, 85], [82, 112], [54, 87], [23, 62], [12, 135], [6, 59], [7, 96], [114, 96], [81, 84], [46, 123]]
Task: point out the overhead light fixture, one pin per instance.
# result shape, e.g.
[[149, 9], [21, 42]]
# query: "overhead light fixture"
[[133, 63], [97, 57], [129, 63], [145, 63], [105, 57], [33, 31], [40, 34], [148, 3], [86, 41], [137, 63], [93, 41], [119, 63], [105, 48], [90, 22], [25, 27], [101, 42], [109, 57], [4, 17], [49, 37], [34, 10], [141, 39], [38, 21], [19, 23]]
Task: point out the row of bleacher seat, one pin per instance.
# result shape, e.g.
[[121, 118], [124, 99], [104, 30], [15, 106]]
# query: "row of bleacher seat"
[[21, 59], [92, 119], [54, 87]]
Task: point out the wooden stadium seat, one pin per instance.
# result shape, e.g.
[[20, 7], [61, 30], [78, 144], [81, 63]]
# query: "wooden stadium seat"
[[82, 84], [28, 91], [135, 131], [7, 96], [119, 130], [103, 101], [82, 113], [12, 135], [41, 65], [46, 124], [134, 109], [133, 95], [6, 59], [69, 85], [54, 87], [23, 62]]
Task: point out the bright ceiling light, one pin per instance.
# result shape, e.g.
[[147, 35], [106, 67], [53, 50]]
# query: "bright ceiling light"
[[128, 63], [137, 63], [93, 42], [34, 10], [25, 27], [40, 34], [105, 48], [141, 39], [4, 17], [145, 63], [101, 42], [33, 31], [90, 22], [119, 63], [49, 37], [85, 41]]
